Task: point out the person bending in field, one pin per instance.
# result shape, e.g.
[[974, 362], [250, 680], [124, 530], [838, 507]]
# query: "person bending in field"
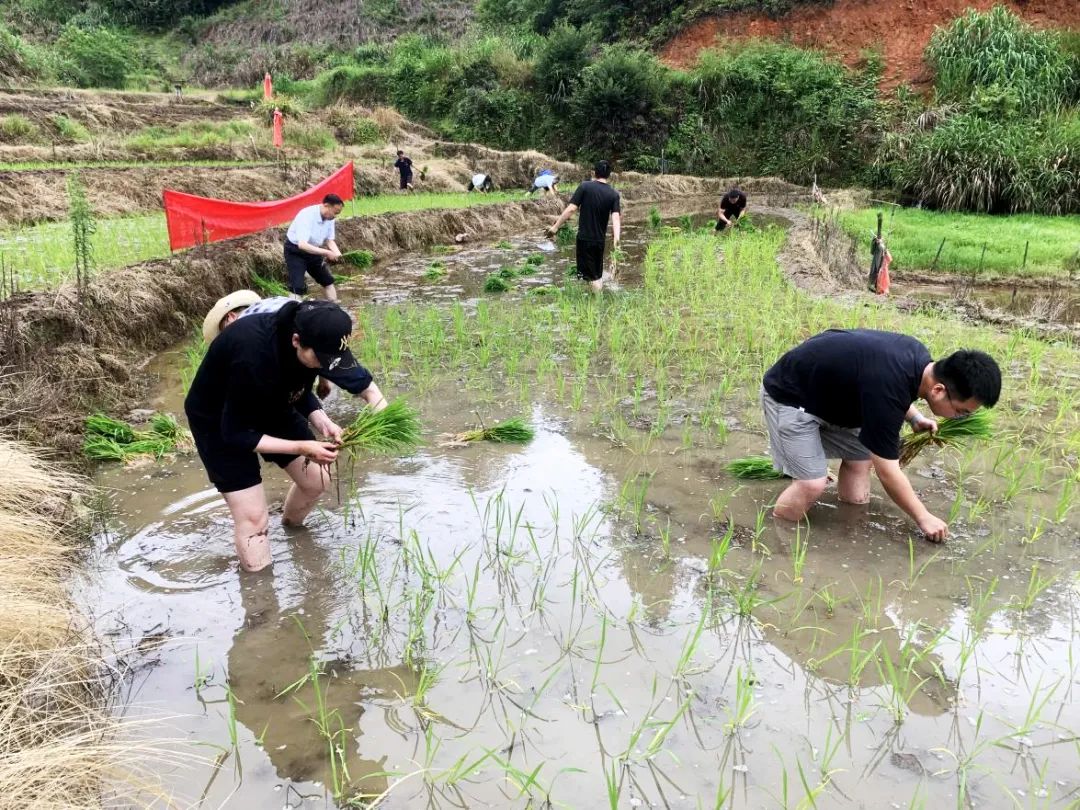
[[598, 202], [846, 394], [252, 396], [404, 167], [547, 182], [310, 244], [731, 208], [356, 379], [481, 182]]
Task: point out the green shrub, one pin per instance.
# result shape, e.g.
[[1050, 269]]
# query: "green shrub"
[[560, 60], [621, 105], [18, 129], [68, 130], [997, 53], [362, 85], [362, 131], [973, 163], [98, 57], [309, 136], [778, 109], [504, 119], [19, 61]]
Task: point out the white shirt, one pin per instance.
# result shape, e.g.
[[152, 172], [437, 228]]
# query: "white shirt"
[[545, 181], [478, 180], [310, 227]]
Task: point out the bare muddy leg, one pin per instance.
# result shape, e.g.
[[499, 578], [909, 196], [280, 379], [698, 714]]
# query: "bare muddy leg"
[[309, 483], [853, 482], [250, 524], [796, 500]]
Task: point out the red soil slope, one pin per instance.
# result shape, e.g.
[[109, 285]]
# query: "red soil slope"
[[901, 29]]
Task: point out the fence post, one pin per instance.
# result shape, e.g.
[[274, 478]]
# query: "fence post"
[[933, 264], [1023, 266]]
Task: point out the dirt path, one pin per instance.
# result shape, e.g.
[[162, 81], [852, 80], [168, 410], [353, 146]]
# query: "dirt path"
[[850, 27]]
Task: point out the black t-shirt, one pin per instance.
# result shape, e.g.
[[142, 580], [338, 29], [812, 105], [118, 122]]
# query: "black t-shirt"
[[250, 381], [403, 165], [858, 378], [733, 208], [597, 202]]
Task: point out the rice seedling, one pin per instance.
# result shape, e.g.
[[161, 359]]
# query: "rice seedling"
[[496, 284], [507, 273], [655, 220], [436, 271], [754, 468], [268, 287], [566, 236], [743, 705], [99, 424], [509, 431], [393, 430], [950, 433], [360, 259], [504, 244], [534, 259]]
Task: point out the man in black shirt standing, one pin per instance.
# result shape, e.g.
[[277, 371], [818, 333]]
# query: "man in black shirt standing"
[[598, 201], [731, 208], [404, 167], [252, 395], [846, 394]]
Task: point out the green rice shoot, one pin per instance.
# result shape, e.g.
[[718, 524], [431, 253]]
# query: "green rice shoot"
[[510, 431], [534, 259], [99, 424], [395, 430], [950, 433], [566, 236], [754, 468]]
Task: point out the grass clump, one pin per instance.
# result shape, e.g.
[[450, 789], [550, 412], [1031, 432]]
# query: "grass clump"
[[504, 244], [436, 271], [509, 431], [393, 430], [361, 259], [68, 130], [495, 283], [754, 468], [19, 129], [109, 439], [534, 260], [950, 433]]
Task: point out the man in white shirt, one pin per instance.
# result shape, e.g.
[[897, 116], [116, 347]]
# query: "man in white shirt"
[[481, 182], [310, 244]]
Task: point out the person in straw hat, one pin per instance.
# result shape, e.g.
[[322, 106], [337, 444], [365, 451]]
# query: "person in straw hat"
[[357, 380]]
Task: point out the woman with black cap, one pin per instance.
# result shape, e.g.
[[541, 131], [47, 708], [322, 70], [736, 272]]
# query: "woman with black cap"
[[252, 396]]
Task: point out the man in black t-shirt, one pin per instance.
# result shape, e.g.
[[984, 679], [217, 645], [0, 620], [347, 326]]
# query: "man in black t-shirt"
[[598, 202], [252, 395], [404, 167], [846, 394], [731, 208]]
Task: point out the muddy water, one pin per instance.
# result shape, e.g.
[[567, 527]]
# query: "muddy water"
[[1052, 305], [500, 626]]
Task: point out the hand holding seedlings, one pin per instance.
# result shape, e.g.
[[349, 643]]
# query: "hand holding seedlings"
[[319, 452]]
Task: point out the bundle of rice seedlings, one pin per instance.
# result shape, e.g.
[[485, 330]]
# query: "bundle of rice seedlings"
[[534, 259], [268, 287], [359, 258], [566, 236], [950, 433], [509, 431], [546, 289], [109, 439], [504, 244], [394, 429], [496, 284], [754, 468], [435, 272], [507, 273], [99, 424]]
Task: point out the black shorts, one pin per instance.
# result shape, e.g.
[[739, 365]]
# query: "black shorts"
[[590, 260], [720, 224], [230, 469], [298, 264], [405, 180]]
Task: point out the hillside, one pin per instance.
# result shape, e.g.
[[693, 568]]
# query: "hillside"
[[849, 28]]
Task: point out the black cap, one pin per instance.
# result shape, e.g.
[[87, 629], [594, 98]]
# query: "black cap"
[[325, 328]]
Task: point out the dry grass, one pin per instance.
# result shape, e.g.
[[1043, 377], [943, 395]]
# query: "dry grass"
[[57, 737]]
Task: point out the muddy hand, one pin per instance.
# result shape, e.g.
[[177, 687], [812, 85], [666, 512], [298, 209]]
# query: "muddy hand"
[[319, 452]]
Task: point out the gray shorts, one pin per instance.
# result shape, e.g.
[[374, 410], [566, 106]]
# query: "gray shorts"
[[801, 444]]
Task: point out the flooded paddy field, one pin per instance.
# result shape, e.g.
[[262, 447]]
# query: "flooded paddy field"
[[603, 617]]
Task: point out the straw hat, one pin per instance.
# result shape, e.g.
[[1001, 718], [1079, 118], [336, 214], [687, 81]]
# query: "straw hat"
[[211, 325]]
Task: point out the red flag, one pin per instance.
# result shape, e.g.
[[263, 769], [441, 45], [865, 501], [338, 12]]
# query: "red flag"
[[883, 275], [194, 220], [268, 87], [279, 139]]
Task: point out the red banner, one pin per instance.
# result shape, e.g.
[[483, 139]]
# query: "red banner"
[[196, 220]]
